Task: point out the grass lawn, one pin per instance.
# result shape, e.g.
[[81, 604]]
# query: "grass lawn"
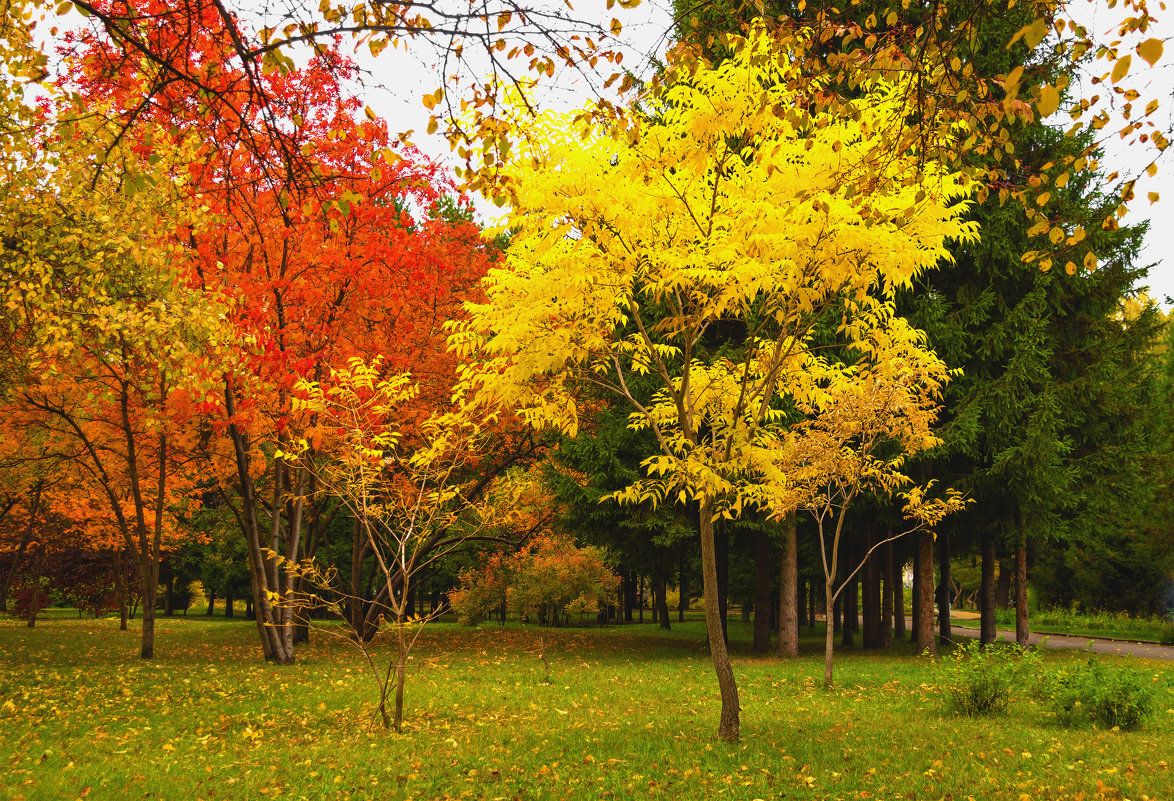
[[1117, 626], [631, 714]]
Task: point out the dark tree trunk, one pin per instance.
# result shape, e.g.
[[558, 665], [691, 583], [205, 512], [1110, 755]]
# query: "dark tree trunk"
[[1022, 635], [168, 596], [629, 596], [986, 589], [1003, 583], [211, 603], [851, 608], [120, 590], [870, 593], [888, 596], [944, 585], [788, 592], [640, 599], [923, 595], [898, 577], [683, 588], [228, 605], [763, 567], [35, 598], [721, 544], [662, 603]]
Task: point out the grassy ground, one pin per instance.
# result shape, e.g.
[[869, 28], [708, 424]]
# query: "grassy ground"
[[1095, 624], [631, 714]]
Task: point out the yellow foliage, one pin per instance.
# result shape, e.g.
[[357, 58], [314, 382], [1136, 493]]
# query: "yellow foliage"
[[725, 200]]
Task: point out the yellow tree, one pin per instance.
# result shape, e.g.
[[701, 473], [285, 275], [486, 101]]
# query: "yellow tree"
[[733, 245]]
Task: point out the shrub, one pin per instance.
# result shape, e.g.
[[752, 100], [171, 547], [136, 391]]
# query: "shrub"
[[980, 680], [1091, 692]]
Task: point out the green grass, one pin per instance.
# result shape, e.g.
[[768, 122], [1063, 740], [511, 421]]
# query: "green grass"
[[631, 714], [1112, 625]]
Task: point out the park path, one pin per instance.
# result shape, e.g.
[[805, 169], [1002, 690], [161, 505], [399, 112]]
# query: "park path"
[[1142, 650]]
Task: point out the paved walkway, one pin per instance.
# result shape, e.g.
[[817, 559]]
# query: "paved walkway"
[[1143, 650]]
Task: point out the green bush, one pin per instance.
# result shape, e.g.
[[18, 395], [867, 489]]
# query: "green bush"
[[1089, 692], [980, 680]]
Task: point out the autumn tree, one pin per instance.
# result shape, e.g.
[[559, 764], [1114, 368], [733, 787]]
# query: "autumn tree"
[[727, 201]]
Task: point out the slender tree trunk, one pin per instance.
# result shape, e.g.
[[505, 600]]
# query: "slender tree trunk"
[[262, 571], [722, 555], [829, 641], [788, 591], [640, 599], [728, 727], [887, 595], [762, 587], [121, 591], [923, 595], [168, 597], [898, 576], [1003, 583], [35, 598], [662, 603], [1022, 635], [228, 612], [986, 590], [870, 591], [851, 609], [944, 584], [211, 603]]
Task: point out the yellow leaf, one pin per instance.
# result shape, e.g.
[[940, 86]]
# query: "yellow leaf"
[[616, 27], [1070, 268], [429, 102], [1121, 68], [1049, 100], [1153, 196], [1150, 50], [1090, 261]]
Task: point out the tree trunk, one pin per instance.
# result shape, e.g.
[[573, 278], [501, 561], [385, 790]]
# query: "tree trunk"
[[986, 590], [662, 604], [762, 587], [944, 584], [683, 589], [829, 639], [640, 599], [722, 555], [35, 598], [120, 590], [228, 604], [262, 570], [923, 595], [888, 595], [728, 727], [1003, 583], [898, 577], [211, 603], [812, 599], [870, 592], [788, 591], [1022, 636], [168, 597], [851, 609]]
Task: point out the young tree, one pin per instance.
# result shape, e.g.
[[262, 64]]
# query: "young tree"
[[727, 201]]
